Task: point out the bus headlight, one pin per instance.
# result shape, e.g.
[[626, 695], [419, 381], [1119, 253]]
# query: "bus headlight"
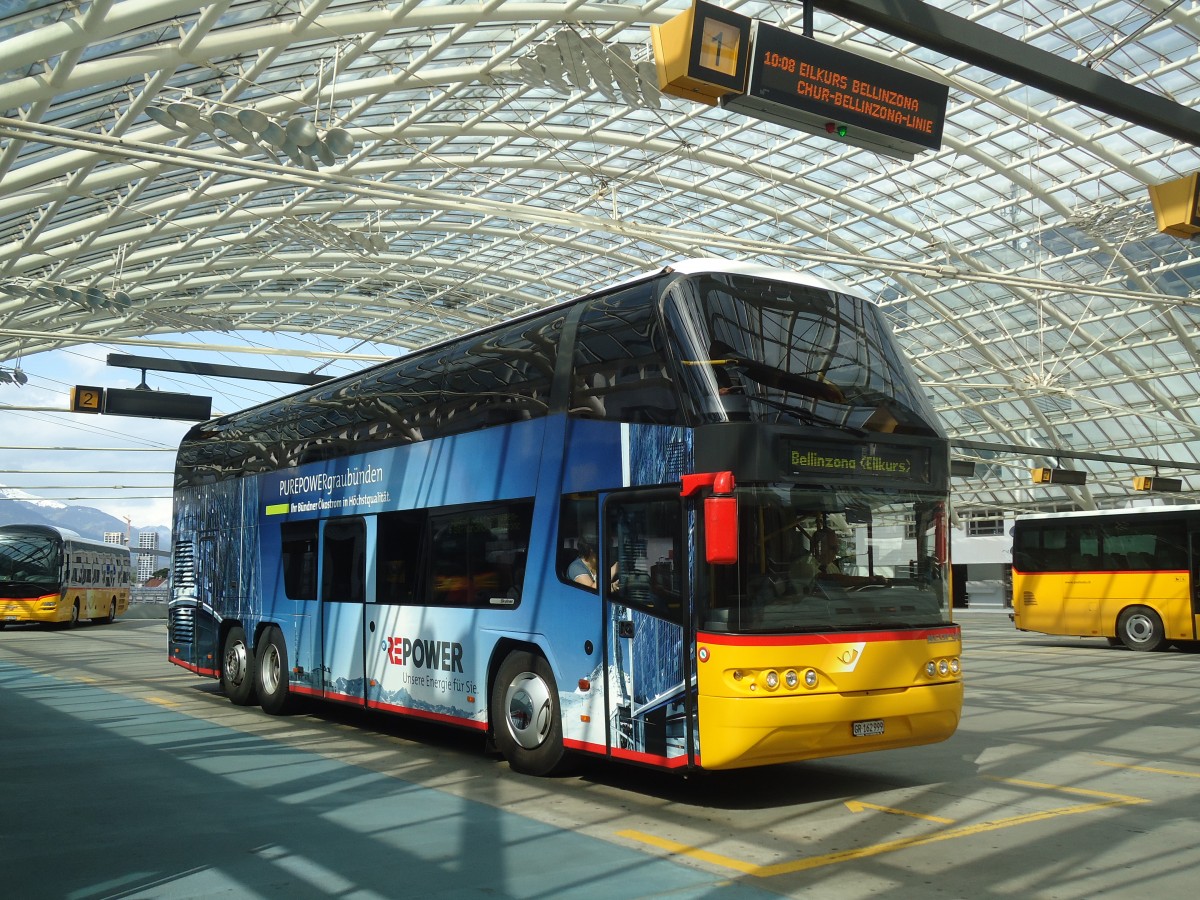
[[771, 680], [931, 668], [810, 678], [791, 679], [955, 666], [943, 667]]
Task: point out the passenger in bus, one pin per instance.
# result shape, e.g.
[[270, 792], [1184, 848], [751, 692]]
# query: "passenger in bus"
[[583, 569]]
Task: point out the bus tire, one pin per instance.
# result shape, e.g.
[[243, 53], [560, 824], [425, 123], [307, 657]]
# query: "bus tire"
[[73, 622], [273, 673], [525, 717], [237, 668], [112, 614], [1140, 628]]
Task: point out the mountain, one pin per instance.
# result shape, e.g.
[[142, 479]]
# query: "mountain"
[[20, 508]]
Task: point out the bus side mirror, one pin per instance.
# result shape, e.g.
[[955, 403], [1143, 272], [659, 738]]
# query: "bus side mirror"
[[720, 515], [721, 530]]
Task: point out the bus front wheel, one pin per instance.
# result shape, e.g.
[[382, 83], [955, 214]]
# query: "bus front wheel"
[[273, 672], [237, 668], [526, 722], [1140, 628]]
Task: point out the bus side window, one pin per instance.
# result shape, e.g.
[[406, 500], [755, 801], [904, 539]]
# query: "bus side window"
[[400, 550], [299, 559], [343, 573], [578, 527]]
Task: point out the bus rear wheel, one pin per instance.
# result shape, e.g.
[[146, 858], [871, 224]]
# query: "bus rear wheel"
[[237, 668], [1140, 628], [524, 713], [112, 614], [273, 672]]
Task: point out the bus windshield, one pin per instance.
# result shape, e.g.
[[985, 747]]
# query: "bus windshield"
[[830, 559], [28, 562], [777, 352]]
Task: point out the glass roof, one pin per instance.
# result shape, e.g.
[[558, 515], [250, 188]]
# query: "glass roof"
[[398, 172]]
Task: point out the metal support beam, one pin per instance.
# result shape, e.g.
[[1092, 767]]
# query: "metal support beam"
[[1051, 453], [146, 363], [979, 46]]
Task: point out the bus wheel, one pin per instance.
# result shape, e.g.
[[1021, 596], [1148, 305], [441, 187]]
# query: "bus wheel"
[[524, 713], [1140, 628], [74, 620], [112, 614], [273, 672], [237, 668]]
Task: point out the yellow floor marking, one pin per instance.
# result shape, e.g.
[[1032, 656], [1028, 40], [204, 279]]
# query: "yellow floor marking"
[[813, 862], [1087, 792], [859, 806], [161, 701], [1153, 769]]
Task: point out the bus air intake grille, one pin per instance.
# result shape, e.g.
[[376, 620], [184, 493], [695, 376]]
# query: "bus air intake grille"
[[183, 624]]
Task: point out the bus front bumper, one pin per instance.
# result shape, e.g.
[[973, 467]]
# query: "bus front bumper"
[[46, 609], [752, 731]]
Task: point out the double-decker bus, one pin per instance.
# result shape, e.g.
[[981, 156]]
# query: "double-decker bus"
[[1128, 575], [695, 520], [50, 574]]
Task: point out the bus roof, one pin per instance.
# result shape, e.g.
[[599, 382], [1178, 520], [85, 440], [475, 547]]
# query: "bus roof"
[[1124, 511], [770, 273]]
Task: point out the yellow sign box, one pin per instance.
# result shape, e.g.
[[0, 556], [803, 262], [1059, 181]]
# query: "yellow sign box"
[[702, 53], [1177, 206], [86, 399]]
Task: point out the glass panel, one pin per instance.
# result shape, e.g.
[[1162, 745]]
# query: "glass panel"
[[28, 562], [778, 352], [646, 544], [815, 560], [621, 369]]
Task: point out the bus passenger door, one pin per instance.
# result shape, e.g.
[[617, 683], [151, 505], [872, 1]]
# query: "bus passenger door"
[[343, 599], [649, 703]]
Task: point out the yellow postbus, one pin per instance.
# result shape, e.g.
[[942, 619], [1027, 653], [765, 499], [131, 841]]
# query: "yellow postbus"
[[1121, 574], [53, 575]]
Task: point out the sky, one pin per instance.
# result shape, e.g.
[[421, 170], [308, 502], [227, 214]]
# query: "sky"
[[123, 465]]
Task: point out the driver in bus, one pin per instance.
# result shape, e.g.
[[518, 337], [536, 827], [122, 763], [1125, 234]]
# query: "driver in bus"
[[825, 547]]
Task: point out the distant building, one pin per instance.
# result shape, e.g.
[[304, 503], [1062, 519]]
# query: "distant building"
[[114, 537], [147, 563]]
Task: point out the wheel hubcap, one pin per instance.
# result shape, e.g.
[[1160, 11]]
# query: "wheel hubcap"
[[235, 663], [1139, 629], [270, 670], [528, 710]]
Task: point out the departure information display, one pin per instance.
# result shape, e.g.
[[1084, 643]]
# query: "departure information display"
[[792, 71], [877, 460]]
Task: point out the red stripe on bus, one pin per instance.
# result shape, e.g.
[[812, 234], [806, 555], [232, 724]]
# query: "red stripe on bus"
[[211, 673], [425, 714], [666, 762], [780, 640]]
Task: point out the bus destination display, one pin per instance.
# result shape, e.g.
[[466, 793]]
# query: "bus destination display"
[[865, 460], [796, 73]]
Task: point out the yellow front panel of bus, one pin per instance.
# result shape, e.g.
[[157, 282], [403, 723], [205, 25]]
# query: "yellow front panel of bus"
[[47, 608], [1088, 603], [853, 693]]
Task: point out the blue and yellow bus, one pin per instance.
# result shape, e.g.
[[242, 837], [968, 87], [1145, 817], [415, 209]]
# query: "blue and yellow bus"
[[54, 576], [694, 520]]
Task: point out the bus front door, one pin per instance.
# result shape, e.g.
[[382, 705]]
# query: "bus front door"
[[649, 704], [343, 608]]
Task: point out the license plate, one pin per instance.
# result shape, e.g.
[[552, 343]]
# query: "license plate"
[[867, 727]]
